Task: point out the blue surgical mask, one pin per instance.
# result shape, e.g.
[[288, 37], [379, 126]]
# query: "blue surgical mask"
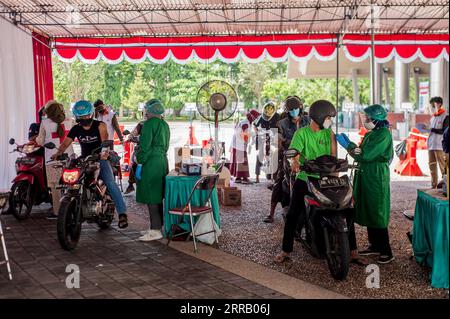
[[294, 113]]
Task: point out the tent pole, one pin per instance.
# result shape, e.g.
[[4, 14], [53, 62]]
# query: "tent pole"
[[337, 82], [372, 55]]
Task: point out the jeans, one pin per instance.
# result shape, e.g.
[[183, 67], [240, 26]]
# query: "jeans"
[[107, 176]]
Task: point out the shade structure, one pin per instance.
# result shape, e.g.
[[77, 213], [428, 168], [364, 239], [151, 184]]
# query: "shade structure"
[[406, 47]]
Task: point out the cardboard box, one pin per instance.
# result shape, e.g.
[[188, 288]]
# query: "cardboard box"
[[230, 196]]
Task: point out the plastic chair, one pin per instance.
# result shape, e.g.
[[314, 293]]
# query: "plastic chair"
[[3, 199], [205, 183]]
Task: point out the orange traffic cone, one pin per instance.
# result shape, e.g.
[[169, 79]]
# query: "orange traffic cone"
[[192, 140]]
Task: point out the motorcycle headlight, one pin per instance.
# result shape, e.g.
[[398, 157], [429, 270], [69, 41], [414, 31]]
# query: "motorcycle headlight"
[[322, 198], [29, 148], [70, 176]]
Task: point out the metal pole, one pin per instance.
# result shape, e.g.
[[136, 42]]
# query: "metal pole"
[[337, 82], [372, 55]]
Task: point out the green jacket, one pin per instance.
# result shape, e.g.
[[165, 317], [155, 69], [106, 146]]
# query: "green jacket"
[[152, 154], [371, 185]]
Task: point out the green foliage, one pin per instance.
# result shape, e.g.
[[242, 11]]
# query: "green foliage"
[[125, 85]]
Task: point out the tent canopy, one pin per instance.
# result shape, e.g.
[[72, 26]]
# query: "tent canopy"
[[230, 30], [75, 18]]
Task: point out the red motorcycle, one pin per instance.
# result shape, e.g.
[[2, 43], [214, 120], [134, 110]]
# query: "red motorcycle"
[[29, 186]]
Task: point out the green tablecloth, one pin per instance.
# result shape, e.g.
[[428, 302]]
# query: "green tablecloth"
[[177, 193], [431, 235]]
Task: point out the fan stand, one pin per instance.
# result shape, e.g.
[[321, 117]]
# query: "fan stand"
[[216, 137]]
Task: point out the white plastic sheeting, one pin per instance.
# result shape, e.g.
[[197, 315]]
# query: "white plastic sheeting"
[[17, 101]]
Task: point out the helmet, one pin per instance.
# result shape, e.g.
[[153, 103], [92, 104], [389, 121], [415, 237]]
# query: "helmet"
[[82, 108], [292, 103], [154, 106], [268, 110], [436, 99], [375, 112], [320, 110]]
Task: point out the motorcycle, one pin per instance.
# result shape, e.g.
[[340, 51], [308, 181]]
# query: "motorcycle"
[[29, 187], [329, 207], [85, 196]]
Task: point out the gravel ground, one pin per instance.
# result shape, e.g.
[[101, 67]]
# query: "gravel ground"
[[244, 234]]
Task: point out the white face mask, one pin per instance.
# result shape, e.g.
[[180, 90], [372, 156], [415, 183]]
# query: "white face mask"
[[327, 123], [369, 125]]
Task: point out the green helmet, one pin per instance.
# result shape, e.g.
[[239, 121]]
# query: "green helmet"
[[154, 106], [376, 112]]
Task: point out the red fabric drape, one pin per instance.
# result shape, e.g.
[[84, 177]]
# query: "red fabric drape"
[[43, 77]]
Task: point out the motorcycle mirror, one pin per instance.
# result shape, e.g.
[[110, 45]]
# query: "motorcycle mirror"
[[12, 141], [126, 132], [290, 153], [107, 143], [50, 145]]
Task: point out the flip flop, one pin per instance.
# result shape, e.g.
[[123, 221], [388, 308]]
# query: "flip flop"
[[269, 219], [359, 262], [279, 259]]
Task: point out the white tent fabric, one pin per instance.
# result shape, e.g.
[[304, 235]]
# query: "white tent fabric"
[[17, 101]]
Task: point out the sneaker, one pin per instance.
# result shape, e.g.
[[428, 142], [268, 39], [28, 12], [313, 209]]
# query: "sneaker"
[[151, 235], [143, 232], [368, 252], [385, 259]]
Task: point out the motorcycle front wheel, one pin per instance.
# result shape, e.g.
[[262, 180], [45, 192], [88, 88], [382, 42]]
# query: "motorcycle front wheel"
[[21, 200], [338, 253], [69, 224]]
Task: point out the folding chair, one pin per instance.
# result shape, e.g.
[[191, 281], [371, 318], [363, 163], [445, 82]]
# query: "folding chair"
[[3, 198], [205, 183]]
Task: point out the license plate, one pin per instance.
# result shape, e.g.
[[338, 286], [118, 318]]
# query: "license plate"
[[26, 161], [332, 182]]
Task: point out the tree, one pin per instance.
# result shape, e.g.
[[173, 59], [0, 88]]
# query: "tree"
[[138, 92]]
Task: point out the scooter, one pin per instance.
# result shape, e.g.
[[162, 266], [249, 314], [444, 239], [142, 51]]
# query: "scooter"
[[329, 207], [29, 187]]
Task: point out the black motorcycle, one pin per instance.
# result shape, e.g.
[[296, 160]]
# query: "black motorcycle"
[[85, 196], [329, 207]]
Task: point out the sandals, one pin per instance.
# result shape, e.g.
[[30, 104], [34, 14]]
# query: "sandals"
[[359, 261], [280, 259], [269, 219], [123, 221]]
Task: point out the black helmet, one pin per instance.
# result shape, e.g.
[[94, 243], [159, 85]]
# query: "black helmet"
[[436, 99], [320, 110], [292, 103]]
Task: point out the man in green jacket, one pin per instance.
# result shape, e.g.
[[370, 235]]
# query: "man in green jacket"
[[152, 166], [371, 186]]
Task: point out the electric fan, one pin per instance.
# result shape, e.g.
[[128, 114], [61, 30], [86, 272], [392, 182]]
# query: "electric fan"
[[216, 102]]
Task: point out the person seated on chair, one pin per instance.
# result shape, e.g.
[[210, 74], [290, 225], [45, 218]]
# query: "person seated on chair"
[[153, 166]]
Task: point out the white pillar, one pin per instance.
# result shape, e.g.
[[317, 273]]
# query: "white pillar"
[[378, 83], [401, 81], [387, 91], [437, 79]]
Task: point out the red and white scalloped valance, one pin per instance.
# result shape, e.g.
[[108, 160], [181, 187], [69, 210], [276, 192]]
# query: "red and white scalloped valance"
[[277, 48]]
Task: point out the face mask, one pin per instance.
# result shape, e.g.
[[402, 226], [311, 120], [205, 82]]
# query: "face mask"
[[369, 125], [327, 123], [84, 122], [294, 113]]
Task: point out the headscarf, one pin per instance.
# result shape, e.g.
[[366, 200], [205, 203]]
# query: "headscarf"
[[55, 112], [154, 107], [252, 115]]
